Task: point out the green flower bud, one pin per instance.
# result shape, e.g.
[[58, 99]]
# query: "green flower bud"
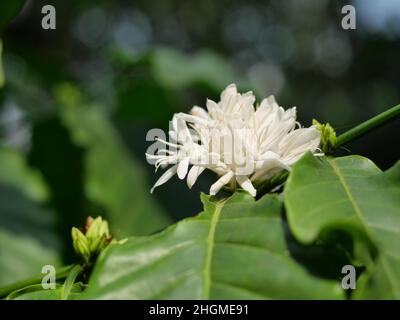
[[97, 228], [80, 244], [93, 230], [95, 239], [98, 244], [104, 230], [328, 136]]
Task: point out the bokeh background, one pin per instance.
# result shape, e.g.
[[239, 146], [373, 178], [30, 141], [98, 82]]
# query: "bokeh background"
[[78, 101]]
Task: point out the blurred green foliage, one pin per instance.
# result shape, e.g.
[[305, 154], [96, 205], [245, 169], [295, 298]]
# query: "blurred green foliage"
[[113, 179], [27, 236]]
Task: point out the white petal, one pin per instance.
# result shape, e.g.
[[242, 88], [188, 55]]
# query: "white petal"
[[199, 112], [246, 184], [247, 106], [290, 113], [268, 155], [221, 182], [300, 141], [194, 173], [165, 177], [183, 167], [270, 164], [229, 97], [173, 136], [271, 100], [267, 167], [268, 106], [184, 135], [212, 108], [228, 91], [192, 118]]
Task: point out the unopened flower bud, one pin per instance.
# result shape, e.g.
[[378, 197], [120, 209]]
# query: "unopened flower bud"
[[80, 243], [93, 228], [104, 230], [95, 239], [328, 136]]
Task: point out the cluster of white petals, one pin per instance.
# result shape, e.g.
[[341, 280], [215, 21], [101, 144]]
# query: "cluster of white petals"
[[243, 145]]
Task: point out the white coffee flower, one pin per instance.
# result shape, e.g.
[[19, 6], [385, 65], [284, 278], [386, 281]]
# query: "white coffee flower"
[[243, 145]]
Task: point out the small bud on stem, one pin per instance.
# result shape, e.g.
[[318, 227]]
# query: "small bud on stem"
[[328, 136], [88, 245]]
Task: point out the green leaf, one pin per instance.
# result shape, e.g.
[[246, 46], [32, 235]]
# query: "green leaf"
[[178, 71], [113, 179], [23, 193], [351, 194], [15, 172], [69, 283], [36, 292], [22, 256], [8, 10], [27, 237], [235, 249]]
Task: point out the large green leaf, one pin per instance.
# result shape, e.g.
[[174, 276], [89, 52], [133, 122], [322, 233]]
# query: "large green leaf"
[[113, 179], [351, 194], [235, 249]]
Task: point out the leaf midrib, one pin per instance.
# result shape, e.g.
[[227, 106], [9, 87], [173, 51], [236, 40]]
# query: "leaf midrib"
[[346, 188], [358, 212], [210, 248]]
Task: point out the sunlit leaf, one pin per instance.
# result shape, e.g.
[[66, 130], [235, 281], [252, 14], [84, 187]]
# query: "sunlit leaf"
[[235, 249]]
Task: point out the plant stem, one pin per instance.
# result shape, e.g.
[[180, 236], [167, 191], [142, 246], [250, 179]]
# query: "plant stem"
[[69, 282], [60, 274], [368, 125]]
